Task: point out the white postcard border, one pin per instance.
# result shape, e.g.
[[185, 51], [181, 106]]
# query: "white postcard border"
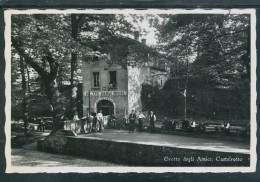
[[24, 169]]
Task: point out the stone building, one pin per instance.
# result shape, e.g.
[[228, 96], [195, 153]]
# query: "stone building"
[[115, 88]]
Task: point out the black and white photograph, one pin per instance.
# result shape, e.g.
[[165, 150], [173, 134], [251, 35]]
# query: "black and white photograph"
[[130, 90]]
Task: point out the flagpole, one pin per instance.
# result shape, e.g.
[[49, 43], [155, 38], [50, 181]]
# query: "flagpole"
[[89, 105], [185, 103], [185, 109]]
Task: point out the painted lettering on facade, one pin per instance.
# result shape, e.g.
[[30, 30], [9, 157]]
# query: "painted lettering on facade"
[[107, 93]]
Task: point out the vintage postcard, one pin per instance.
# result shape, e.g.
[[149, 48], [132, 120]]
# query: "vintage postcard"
[[124, 90]]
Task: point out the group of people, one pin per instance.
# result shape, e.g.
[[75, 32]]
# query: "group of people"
[[191, 125], [94, 122], [132, 120], [188, 124], [224, 127]]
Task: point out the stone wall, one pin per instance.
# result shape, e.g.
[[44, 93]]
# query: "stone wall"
[[139, 154]]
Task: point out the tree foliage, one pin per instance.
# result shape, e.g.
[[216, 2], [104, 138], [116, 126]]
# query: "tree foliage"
[[55, 45], [208, 54]]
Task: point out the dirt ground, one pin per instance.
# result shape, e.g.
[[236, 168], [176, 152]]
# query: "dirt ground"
[[31, 158]]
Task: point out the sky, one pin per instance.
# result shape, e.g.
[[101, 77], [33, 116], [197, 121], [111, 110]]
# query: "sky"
[[150, 36], [148, 33]]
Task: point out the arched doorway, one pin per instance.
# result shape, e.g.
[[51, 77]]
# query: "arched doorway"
[[106, 106]]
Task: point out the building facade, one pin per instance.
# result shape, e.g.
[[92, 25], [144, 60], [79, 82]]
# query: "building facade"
[[115, 89], [104, 88]]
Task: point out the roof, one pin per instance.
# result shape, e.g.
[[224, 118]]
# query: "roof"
[[123, 48]]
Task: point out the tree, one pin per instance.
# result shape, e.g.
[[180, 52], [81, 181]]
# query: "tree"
[[75, 21], [54, 45], [25, 95], [215, 50], [94, 31], [41, 39]]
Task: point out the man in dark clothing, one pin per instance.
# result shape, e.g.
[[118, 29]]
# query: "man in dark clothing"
[[113, 120], [42, 127], [82, 120], [152, 119], [94, 125], [89, 123], [132, 118]]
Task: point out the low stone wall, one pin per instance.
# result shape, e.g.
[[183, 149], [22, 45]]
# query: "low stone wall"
[[138, 154]]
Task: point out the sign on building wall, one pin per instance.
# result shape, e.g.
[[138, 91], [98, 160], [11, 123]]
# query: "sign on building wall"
[[107, 93]]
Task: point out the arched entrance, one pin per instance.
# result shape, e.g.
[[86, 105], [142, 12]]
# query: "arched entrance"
[[106, 106]]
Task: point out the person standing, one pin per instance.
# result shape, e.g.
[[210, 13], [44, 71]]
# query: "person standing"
[[82, 129], [100, 120], [89, 122], [41, 126], [152, 119], [113, 120], [141, 117], [132, 118], [94, 124], [124, 122], [76, 119]]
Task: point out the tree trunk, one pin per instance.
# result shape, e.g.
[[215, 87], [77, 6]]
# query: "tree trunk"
[[73, 81], [74, 86], [28, 79], [42, 86], [50, 83], [186, 85], [25, 109], [56, 103]]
